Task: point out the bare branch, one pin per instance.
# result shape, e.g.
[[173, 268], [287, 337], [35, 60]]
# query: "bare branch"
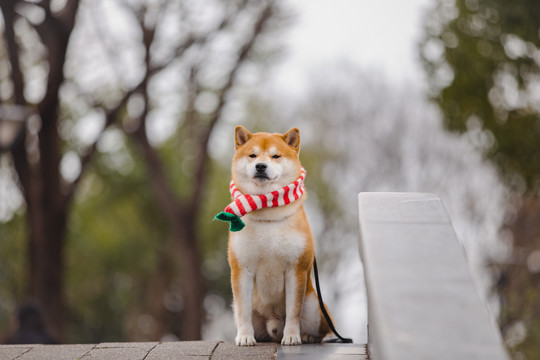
[[258, 27], [8, 9], [46, 4], [55, 32], [200, 40], [165, 195], [67, 15], [109, 49], [20, 160], [193, 91], [163, 189], [111, 116], [200, 174]]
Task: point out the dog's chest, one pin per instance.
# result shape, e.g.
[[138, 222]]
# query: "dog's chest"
[[268, 245]]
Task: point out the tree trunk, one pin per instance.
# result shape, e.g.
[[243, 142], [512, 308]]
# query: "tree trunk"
[[46, 241], [192, 279], [39, 170], [46, 217], [182, 222]]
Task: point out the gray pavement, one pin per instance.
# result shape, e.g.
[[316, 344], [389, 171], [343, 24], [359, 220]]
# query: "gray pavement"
[[182, 350]]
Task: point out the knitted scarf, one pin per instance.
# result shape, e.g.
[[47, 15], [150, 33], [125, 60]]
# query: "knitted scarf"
[[243, 204]]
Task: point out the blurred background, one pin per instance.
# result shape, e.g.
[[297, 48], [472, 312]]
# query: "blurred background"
[[116, 136]]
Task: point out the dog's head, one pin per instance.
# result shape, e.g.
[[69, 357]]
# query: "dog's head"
[[265, 162]]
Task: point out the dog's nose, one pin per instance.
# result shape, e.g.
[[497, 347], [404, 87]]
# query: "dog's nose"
[[260, 167]]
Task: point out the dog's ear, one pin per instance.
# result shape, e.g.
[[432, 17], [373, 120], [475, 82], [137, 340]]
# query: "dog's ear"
[[241, 136], [292, 138]]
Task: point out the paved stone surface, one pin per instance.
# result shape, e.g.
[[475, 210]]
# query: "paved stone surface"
[[182, 350], [9, 352], [120, 351], [56, 352], [411, 208], [323, 352], [146, 346], [261, 351], [422, 301]]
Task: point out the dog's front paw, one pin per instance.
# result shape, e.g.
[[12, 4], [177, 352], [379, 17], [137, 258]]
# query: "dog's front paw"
[[292, 339], [245, 340]]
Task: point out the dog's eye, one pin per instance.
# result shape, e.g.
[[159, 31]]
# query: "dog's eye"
[[276, 156], [252, 156]]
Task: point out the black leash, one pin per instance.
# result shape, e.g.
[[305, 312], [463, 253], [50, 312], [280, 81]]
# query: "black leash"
[[323, 309]]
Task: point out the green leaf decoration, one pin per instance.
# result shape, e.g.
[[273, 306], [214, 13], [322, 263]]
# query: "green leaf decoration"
[[236, 223]]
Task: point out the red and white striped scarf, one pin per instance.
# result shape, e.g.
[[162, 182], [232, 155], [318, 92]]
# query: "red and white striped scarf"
[[245, 203]]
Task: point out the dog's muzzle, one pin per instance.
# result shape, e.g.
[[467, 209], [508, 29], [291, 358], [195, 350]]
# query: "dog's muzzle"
[[260, 171]]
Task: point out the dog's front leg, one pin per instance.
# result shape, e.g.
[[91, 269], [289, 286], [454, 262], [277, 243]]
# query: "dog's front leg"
[[242, 284], [295, 291]]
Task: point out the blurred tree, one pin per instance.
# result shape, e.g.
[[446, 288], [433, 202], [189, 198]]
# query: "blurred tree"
[[119, 239], [484, 73], [482, 58], [88, 67], [181, 211], [46, 196]]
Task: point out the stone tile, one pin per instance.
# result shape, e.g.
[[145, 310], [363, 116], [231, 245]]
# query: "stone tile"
[[120, 351], [188, 350], [323, 352], [413, 251], [140, 345], [116, 353], [56, 352], [401, 207], [183, 350], [281, 356], [261, 351], [11, 352], [341, 349]]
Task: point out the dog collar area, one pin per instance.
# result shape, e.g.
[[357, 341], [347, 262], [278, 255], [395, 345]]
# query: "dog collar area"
[[272, 220]]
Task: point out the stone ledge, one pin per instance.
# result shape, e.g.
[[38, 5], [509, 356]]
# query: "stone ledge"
[[182, 350], [422, 301]]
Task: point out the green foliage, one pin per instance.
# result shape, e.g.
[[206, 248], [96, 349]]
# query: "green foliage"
[[214, 234], [118, 246], [482, 58], [114, 235]]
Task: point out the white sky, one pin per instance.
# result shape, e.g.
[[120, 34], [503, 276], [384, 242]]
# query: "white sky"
[[379, 36]]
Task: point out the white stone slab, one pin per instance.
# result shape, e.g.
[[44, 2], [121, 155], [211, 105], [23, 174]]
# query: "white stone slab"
[[407, 207], [422, 301]]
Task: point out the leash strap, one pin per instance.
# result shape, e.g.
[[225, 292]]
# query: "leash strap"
[[323, 309]]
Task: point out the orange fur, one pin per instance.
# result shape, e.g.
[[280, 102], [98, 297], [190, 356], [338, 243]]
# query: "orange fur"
[[272, 257]]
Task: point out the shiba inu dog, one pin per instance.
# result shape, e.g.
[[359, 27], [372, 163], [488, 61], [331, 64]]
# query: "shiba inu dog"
[[271, 258]]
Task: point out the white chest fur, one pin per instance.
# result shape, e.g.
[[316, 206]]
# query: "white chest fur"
[[261, 242], [268, 250]]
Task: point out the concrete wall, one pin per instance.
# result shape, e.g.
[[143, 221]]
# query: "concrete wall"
[[422, 302]]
